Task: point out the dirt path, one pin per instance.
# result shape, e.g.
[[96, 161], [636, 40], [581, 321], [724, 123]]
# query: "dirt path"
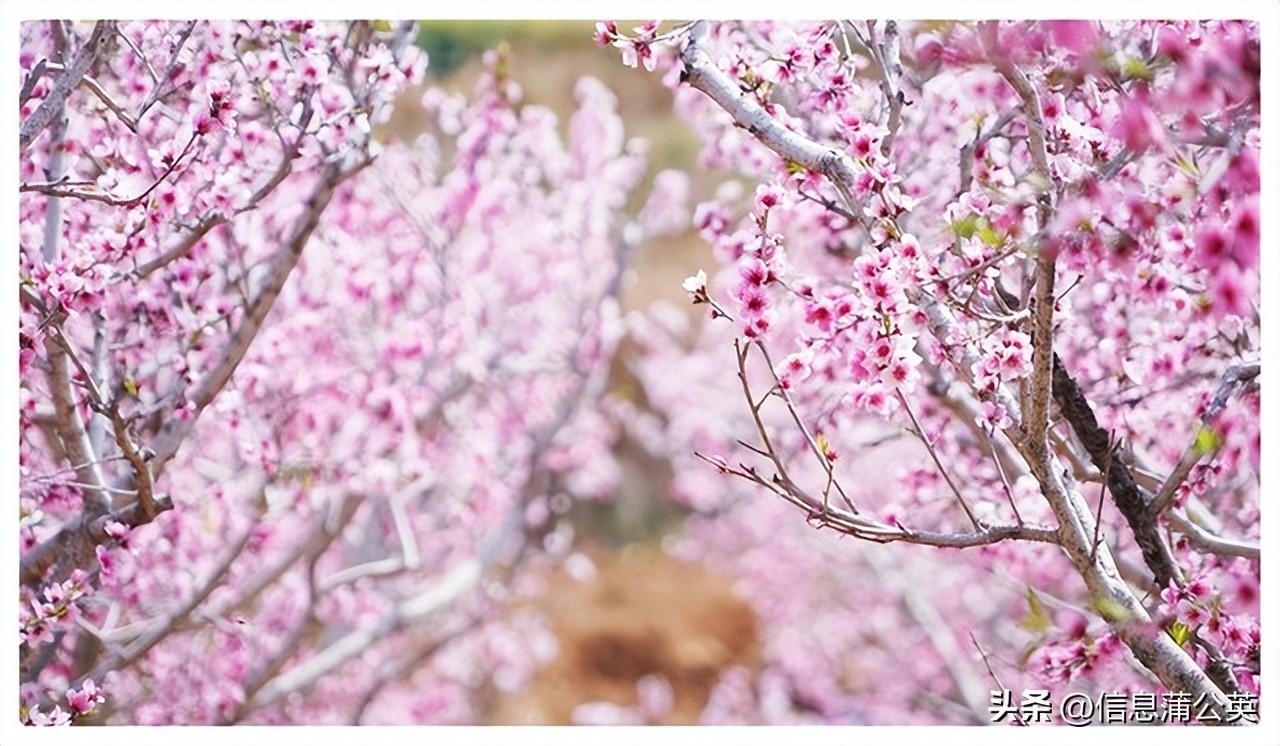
[[643, 614]]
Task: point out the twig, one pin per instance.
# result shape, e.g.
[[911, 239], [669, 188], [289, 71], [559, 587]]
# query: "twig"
[[1125, 492], [1102, 495], [175, 431], [994, 676], [57, 190], [163, 627], [1235, 375], [804, 430], [156, 93], [937, 461], [33, 77]]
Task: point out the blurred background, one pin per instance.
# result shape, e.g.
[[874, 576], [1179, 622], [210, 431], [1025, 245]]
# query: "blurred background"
[[642, 614]]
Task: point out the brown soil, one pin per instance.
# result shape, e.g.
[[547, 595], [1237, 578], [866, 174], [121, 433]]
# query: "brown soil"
[[644, 613]]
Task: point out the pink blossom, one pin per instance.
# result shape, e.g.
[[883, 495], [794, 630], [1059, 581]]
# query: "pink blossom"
[[85, 699], [606, 32], [797, 365], [1231, 290], [1078, 36], [1138, 127], [768, 196], [380, 344]]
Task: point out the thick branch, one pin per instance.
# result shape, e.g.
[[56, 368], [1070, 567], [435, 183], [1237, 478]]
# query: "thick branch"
[[79, 538], [702, 73], [1127, 494], [80, 542], [70, 426], [1036, 417], [1207, 541], [52, 105]]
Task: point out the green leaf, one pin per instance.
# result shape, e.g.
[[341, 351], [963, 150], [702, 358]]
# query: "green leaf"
[[1180, 632], [988, 234], [1136, 67], [1207, 441], [966, 226], [381, 25], [1110, 610], [1037, 619], [130, 387]]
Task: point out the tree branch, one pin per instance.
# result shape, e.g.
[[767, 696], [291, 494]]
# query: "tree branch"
[[1234, 376], [52, 105], [1128, 496], [175, 431], [1158, 652]]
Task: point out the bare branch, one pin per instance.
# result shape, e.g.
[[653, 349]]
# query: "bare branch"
[[887, 54], [69, 425], [702, 73], [1128, 496], [183, 246], [1206, 541], [97, 90], [157, 91], [58, 189], [1036, 417], [868, 529], [33, 77]]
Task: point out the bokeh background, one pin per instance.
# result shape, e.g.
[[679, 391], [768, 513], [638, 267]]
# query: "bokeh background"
[[643, 613]]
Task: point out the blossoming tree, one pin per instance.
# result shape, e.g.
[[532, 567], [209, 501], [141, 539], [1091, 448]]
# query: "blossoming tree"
[[303, 406], [1033, 249], [291, 398]]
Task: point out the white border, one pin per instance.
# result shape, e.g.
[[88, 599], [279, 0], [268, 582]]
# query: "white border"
[[1266, 13]]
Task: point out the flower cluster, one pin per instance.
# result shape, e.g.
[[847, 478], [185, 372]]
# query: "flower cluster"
[[81, 703], [55, 609]]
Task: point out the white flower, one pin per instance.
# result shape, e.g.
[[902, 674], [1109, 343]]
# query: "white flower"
[[695, 284], [56, 717]]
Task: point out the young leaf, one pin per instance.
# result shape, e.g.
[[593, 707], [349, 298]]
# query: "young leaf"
[[1037, 619], [965, 227], [1207, 441], [1109, 610], [1180, 632]]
